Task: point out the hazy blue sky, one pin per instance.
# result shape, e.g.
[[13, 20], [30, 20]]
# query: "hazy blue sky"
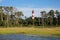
[[28, 5]]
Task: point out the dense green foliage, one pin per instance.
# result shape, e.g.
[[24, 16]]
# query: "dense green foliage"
[[9, 16]]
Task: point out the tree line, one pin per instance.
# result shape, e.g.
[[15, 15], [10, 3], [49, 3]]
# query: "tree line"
[[11, 17]]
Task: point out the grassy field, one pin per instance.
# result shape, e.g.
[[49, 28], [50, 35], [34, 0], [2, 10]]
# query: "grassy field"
[[35, 31]]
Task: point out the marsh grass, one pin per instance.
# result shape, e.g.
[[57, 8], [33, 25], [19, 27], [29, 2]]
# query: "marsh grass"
[[31, 30]]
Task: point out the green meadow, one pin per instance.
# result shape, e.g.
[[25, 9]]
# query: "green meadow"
[[33, 31]]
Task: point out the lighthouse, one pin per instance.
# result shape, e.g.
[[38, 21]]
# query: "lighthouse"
[[33, 14]]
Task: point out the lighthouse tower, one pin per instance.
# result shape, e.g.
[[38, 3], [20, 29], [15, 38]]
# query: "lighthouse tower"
[[33, 14]]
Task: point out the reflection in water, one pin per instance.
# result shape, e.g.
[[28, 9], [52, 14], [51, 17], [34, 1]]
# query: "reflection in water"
[[25, 37]]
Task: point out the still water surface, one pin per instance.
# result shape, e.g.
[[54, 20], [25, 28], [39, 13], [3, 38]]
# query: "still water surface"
[[25, 37]]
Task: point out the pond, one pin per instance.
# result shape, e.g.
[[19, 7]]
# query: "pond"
[[25, 37]]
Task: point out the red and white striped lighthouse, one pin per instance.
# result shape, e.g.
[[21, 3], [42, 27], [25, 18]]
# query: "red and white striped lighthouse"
[[33, 14]]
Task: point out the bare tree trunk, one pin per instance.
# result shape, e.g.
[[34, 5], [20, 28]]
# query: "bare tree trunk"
[[1, 17], [16, 22], [43, 22], [56, 21], [51, 21], [39, 21], [7, 21]]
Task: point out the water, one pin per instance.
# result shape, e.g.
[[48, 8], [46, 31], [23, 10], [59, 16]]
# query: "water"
[[25, 37]]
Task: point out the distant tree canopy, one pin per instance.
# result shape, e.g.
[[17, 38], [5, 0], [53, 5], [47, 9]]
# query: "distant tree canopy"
[[10, 16]]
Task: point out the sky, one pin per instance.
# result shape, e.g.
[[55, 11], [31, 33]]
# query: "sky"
[[26, 6]]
